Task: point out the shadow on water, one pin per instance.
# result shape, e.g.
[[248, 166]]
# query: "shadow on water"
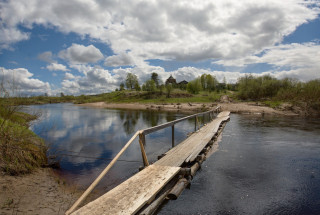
[[264, 165]]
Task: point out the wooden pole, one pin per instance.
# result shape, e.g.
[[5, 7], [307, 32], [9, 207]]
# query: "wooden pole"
[[178, 188], [195, 123], [172, 135], [102, 174], [142, 142]]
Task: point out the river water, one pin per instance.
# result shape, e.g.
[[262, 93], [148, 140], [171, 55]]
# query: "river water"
[[264, 165]]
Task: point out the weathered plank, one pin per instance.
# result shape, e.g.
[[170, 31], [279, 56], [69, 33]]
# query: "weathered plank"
[[133, 194], [188, 149]]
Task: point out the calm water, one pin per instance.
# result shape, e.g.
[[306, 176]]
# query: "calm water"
[[84, 140], [264, 165]]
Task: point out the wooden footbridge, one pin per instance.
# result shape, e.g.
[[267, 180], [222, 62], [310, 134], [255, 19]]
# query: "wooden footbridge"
[[166, 178]]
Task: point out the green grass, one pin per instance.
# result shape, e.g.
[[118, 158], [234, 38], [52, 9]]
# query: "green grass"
[[273, 104], [21, 151]]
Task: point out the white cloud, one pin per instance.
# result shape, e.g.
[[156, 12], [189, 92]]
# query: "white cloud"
[[185, 30], [69, 76], [79, 54], [291, 60], [20, 82], [11, 35], [123, 59], [46, 57], [57, 67]]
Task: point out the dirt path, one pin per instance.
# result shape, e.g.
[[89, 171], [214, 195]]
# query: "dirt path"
[[249, 108], [41, 192]]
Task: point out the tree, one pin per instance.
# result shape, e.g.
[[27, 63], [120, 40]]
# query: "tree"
[[155, 78], [137, 86], [131, 81], [149, 86], [194, 86], [121, 86], [211, 82], [169, 88]]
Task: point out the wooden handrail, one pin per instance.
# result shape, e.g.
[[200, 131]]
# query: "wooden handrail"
[[168, 124], [141, 134], [102, 174]]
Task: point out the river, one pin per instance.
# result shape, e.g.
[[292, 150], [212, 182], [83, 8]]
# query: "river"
[[264, 165]]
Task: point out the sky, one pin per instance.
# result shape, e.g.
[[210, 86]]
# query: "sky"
[[89, 46]]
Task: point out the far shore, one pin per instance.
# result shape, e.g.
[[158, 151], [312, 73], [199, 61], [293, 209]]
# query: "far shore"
[[233, 107]]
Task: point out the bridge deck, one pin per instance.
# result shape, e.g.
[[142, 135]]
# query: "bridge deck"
[[188, 150], [130, 196]]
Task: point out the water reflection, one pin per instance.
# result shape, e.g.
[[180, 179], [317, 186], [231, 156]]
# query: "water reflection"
[[85, 139]]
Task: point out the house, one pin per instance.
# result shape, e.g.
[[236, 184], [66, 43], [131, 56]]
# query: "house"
[[171, 80]]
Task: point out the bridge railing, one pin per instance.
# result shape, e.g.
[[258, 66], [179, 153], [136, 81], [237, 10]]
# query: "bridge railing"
[[142, 142]]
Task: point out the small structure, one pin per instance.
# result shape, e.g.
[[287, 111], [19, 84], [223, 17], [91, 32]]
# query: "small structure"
[[171, 80], [184, 82]]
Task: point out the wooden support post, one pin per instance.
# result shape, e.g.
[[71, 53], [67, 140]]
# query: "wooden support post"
[[142, 142], [172, 136], [195, 123], [178, 188]]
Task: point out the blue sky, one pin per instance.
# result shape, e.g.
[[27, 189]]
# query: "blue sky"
[[88, 47]]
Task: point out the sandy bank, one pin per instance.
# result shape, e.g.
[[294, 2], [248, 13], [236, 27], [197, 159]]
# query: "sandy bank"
[[243, 107], [41, 192]]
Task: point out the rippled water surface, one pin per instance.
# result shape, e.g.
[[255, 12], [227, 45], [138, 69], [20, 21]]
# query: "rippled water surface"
[[265, 165]]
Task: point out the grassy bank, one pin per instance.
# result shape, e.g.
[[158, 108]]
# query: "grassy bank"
[[21, 150]]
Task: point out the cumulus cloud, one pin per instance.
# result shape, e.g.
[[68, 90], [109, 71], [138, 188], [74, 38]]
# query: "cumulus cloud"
[[123, 59], [21, 80], [57, 67], [46, 57], [69, 76], [290, 60], [183, 30], [79, 54], [95, 81], [10, 35]]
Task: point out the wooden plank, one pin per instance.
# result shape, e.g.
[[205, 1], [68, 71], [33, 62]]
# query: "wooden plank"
[[130, 196], [212, 130], [188, 149]]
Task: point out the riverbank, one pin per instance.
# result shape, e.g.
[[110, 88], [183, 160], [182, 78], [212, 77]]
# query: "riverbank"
[[40, 192], [233, 107]]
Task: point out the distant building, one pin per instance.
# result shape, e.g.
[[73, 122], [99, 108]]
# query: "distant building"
[[171, 80], [184, 82]]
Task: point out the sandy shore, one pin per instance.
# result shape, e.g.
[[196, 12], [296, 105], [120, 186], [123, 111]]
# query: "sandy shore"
[[243, 107], [41, 192]]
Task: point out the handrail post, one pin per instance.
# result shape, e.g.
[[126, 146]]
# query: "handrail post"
[[172, 135], [195, 123], [142, 142]]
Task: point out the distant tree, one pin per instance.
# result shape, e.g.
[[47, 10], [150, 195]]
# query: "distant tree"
[[155, 78], [61, 94], [131, 81], [137, 86], [194, 86], [121, 86], [149, 86], [169, 88], [211, 83]]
